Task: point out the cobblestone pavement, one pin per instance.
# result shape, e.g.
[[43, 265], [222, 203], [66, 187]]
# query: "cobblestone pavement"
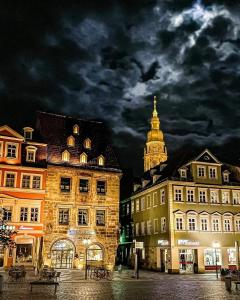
[[151, 285]]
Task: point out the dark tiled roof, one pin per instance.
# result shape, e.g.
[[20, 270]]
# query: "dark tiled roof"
[[55, 129], [41, 156], [170, 168]]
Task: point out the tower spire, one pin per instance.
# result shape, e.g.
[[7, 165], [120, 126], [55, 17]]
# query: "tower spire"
[[155, 113]]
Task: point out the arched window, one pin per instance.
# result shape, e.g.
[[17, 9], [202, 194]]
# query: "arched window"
[[71, 141], [65, 156], [83, 158], [94, 253], [101, 160], [87, 144], [76, 129]]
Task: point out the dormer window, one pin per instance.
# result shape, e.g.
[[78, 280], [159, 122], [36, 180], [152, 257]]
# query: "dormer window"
[[76, 129], [183, 173], [101, 160], [31, 154], [28, 133], [83, 158], [201, 171], [87, 144], [71, 141], [65, 156], [226, 176]]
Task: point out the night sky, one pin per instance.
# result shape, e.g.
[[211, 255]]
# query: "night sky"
[[105, 60]]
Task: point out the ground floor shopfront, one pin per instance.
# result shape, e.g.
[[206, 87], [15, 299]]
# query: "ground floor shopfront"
[[67, 252], [187, 260]]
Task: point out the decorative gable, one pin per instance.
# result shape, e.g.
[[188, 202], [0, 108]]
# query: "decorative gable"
[[207, 157], [9, 132]]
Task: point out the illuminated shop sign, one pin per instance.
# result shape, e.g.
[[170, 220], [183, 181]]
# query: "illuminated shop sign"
[[188, 243], [25, 228], [163, 242], [81, 232]]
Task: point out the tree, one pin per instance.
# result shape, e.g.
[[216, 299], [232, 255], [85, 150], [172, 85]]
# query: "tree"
[[7, 232]]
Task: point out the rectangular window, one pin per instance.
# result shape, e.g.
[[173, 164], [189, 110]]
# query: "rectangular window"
[[225, 197], [1, 149], [11, 151], [149, 227], [31, 155], [137, 204], [191, 224], [155, 199], [212, 173], [155, 226], [24, 214], [236, 197], [132, 206], [162, 193], [179, 223], [214, 197], [202, 196], [65, 184], [100, 217], [142, 203], [178, 195], [204, 224], [26, 180], [143, 228], [63, 216], [149, 204], [137, 229], [215, 225], [36, 182], [101, 187], [225, 177], [82, 217], [83, 185], [190, 195], [183, 173], [34, 214], [237, 225], [201, 171], [163, 224], [128, 208], [227, 225], [10, 180], [7, 213]]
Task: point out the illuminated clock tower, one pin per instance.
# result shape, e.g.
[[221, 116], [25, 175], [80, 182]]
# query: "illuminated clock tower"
[[155, 151]]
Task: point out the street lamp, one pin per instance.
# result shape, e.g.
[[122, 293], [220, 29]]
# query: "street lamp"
[[215, 246], [86, 243]]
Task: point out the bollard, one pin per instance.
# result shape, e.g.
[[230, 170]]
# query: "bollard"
[[1, 283], [228, 283]]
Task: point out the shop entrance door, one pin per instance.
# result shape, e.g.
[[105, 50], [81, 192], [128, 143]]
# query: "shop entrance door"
[[62, 254], [164, 260], [186, 260]]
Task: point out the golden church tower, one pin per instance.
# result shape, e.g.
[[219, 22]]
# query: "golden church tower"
[[155, 151]]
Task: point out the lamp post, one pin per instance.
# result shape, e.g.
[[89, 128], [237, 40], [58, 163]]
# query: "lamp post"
[[215, 246], [86, 243]]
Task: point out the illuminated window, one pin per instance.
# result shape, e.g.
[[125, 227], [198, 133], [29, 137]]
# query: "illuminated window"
[[101, 160], [71, 141], [94, 253], [1, 149], [227, 225], [214, 197], [215, 224], [66, 156], [28, 132], [87, 144], [31, 154], [10, 180], [76, 129], [83, 158], [11, 150], [8, 213]]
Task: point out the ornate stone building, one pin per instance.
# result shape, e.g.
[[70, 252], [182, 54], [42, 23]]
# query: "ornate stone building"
[[155, 151], [81, 211]]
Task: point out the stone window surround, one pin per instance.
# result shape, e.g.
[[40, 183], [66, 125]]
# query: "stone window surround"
[[28, 206], [15, 178], [17, 149], [31, 149]]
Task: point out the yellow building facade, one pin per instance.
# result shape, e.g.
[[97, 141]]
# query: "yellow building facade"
[[187, 214]]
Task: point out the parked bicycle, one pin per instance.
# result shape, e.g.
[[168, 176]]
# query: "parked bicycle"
[[99, 273]]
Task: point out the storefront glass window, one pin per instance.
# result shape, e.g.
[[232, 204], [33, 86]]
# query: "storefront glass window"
[[231, 256], [24, 253], [210, 257], [94, 253]]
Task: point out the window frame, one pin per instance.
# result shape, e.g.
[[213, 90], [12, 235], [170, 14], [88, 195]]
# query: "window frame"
[[68, 214], [198, 173], [102, 210], [101, 192], [87, 211], [1, 149], [177, 194], [193, 195], [64, 191], [155, 226], [83, 158], [155, 197], [5, 179], [6, 150], [205, 193], [79, 188]]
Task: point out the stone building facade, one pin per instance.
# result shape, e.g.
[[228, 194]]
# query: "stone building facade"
[[81, 211]]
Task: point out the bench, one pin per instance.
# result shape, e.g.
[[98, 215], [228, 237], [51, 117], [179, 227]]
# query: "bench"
[[237, 283], [40, 282]]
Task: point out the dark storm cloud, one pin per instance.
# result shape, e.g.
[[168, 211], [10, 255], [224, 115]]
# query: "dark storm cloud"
[[107, 60]]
